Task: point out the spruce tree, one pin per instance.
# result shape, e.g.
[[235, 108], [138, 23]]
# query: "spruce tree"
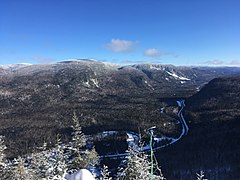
[[139, 166], [21, 172], [4, 168], [79, 156]]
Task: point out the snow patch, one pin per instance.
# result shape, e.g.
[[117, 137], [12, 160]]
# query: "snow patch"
[[130, 137], [148, 84], [110, 65], [162, 110], [86, 83], [167, 79], [90, 82], [198, 88], [83, 174], [178, 77], [95, 82], [155, 68], [106, 134]]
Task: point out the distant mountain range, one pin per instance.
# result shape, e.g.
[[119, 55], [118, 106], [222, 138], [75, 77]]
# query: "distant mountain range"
[[168, 80], [37, 102], [13, 67]]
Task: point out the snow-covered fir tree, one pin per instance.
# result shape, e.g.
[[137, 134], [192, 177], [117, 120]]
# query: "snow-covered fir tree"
[[138, 167], [79, 155], [65, 158], [20, 171], [4, 168], [2, 149], [40, 161], [57, 162], [79, 138]]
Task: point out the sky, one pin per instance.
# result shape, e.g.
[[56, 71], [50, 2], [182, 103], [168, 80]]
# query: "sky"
[[179, 32]]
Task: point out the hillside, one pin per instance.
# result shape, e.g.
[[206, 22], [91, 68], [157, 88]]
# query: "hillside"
[[37, 101], [221, 94], [213, 142]]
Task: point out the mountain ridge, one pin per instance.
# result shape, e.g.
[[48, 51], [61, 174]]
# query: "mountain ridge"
[[38, 101]]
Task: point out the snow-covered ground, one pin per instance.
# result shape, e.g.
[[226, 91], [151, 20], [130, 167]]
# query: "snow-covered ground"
[[149, 85], [177, 76], [82, 174]]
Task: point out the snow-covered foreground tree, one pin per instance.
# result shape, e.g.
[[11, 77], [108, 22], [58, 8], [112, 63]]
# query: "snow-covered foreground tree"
[[20, 171], [4, 168], [2, 149], [15, 169], [65, 160], [52, 163], [79, 156], [138, 167]]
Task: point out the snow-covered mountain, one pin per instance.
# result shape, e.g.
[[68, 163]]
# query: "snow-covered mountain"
[[40, 99], [156, 77], [37, 102], [14, 67]]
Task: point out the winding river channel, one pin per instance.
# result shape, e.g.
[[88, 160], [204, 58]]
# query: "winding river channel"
[[158, 142]]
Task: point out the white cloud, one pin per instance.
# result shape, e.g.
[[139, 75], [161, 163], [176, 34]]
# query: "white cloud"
[[218, 62], [152, 52], [155, 53], [118, 45], [235, 62], [214, 62]]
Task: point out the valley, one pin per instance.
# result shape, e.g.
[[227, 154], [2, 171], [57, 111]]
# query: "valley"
[[37, 102]]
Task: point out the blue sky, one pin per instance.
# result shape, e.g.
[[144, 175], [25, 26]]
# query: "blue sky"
[[180, 32]]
